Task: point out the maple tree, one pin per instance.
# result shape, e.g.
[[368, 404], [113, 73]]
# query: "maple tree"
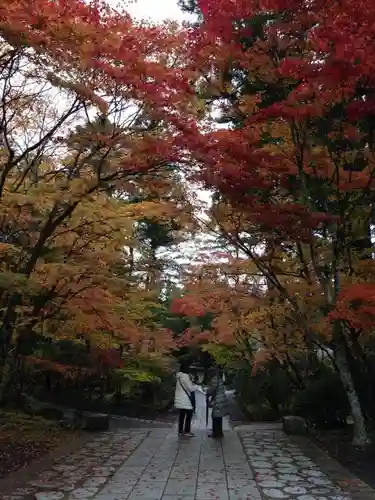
[[295, 166], [76, 289], [91, 108]]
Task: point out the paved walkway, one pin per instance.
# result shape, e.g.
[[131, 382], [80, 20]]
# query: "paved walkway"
[[154, 464]]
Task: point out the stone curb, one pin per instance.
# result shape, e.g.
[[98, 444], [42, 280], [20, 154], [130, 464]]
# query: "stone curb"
[[358, 489], [141, 423], [134, 419]]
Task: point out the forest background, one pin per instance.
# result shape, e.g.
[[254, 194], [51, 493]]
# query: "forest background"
[[114, 261]]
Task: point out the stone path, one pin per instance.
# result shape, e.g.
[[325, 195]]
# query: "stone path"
[[153, 464], [281, 470]]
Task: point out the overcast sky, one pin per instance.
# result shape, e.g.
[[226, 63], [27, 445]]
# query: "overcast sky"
[[157, 10]]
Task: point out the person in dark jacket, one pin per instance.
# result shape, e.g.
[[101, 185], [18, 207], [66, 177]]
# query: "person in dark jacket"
[[218, 402]]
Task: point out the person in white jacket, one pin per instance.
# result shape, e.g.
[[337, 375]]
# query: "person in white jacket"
[[184, 400]]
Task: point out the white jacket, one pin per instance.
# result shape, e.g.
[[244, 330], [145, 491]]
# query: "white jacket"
[[181, 399]]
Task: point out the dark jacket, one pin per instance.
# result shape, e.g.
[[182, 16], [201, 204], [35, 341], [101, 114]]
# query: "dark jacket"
[[216, 391]]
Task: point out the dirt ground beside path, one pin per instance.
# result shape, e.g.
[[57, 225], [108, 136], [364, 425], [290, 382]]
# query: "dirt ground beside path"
[[338, 444], [24, 438]]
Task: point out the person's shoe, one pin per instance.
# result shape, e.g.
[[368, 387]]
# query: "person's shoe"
[[215, 437], [189, 434], [181, 434]]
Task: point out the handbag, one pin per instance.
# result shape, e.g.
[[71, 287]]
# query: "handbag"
[[190, 395]]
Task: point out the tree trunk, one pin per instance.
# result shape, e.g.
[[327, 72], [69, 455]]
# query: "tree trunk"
[[6, 376], [297, 381], [360, 437], [360, 374]]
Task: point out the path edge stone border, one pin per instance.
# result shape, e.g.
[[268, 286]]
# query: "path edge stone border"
[[358, 489], [20, 477], [141, 420]]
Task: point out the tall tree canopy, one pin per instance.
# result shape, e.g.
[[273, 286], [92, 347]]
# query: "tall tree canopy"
[[293, 169], [91, 106]]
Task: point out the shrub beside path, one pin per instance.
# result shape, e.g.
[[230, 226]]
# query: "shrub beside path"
[[154, 464]]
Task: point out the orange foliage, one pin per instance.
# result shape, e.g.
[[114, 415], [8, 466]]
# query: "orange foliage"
[[294, 174], [94, 106], [356, 306]]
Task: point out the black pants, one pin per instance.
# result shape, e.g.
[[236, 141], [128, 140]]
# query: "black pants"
[[184, 421], [217, 427]]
